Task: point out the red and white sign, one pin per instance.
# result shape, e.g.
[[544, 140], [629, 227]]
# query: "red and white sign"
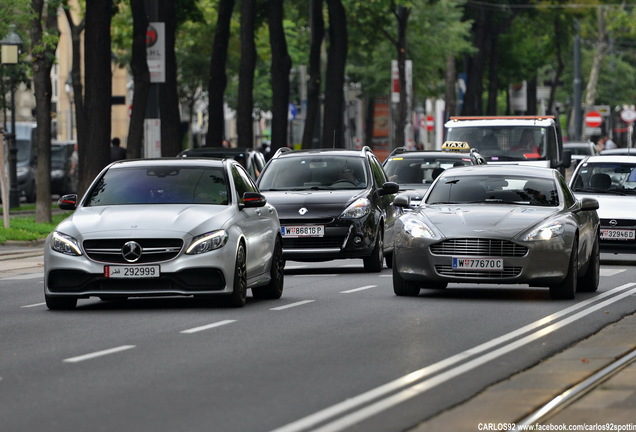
[[628, 115], [429, 123], [593, 119]]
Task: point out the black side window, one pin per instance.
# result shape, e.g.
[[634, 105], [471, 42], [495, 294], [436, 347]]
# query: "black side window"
[[243, 182], [568, 196], [379, 176]]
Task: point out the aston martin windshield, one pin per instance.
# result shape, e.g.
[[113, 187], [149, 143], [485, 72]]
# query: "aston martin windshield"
[[493, 189]]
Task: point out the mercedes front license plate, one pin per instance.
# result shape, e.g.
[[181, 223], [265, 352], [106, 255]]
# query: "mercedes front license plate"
[[131, 272], [470, 263], [617, 234]]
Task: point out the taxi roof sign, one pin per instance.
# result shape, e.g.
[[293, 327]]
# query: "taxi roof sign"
[[456, 146]]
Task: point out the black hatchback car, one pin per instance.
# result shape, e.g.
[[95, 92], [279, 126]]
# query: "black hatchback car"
[[332, 204], [252, 160]]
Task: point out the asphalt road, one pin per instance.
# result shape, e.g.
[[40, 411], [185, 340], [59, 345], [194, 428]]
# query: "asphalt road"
[[339, 351]]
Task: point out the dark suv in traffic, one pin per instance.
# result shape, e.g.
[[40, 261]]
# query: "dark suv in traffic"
[[332, 203]]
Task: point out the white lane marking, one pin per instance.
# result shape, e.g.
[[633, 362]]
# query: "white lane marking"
[[358, 289], [291, 305], [611, 271], [33, 305], [208, 326], [24, 276], [408, 386], [91, 356]]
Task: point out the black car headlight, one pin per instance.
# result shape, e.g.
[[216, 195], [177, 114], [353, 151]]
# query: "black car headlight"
[[545, 232], [357, 209], [207, 242], [65, 244]]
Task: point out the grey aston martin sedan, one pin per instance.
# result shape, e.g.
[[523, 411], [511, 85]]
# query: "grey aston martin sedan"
[[498, 224]]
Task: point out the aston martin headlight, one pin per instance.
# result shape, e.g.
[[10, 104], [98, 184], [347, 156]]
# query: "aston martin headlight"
[[65, 244], [418, 229], [357, 209], [545, 232], [207, 242]]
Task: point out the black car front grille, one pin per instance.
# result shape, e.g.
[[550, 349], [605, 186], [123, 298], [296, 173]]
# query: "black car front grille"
[[507, 272], [153, 250], [618, 223], [479, 247], [313, 242]]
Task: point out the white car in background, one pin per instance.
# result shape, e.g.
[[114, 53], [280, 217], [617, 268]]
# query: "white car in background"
[[166, 227], [612, 181]]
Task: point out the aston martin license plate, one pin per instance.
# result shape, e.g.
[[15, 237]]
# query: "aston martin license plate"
[[131, 272], [469, 263]]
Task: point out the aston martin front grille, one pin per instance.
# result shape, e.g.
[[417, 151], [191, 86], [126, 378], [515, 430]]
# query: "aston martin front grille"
[[153, 250], [479, 247], [507, 272]]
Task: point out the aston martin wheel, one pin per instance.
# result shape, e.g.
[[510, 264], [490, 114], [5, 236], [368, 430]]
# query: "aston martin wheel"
[[566, 289]]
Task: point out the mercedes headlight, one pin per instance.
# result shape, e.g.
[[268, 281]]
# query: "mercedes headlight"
[[207, 242], [65, 244], [545, 232], [357, 209]]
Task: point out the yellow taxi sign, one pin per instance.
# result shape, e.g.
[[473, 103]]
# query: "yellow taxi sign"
[[456, 146]]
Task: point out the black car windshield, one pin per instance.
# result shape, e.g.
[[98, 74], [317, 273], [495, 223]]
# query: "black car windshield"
[[314, 171], [420, 170], [160, 185], [606, 177], [494, 189]]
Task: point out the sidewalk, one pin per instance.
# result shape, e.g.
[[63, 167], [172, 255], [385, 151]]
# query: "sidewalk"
[[16, 257], [609, 406]]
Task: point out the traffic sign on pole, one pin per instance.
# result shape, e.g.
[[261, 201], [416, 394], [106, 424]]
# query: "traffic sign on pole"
[[429, 123], [628, 115], [593, 119]]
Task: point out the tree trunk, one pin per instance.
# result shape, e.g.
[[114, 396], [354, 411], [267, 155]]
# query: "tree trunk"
[[312, 118], [94, 153], [402, 16], [245, 123], [473, 104], [78, 91], [218, 78], [280, 67], [141, 78], [600, 49], [334, 79], [171, 143], [42, 62], [493, 80], [451, 94]]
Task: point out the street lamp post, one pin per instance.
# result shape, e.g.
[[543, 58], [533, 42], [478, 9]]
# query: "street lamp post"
[[11, 45]]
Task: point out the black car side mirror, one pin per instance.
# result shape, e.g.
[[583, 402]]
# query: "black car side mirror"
[[68, 202], [389, 188], [252, 199]]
